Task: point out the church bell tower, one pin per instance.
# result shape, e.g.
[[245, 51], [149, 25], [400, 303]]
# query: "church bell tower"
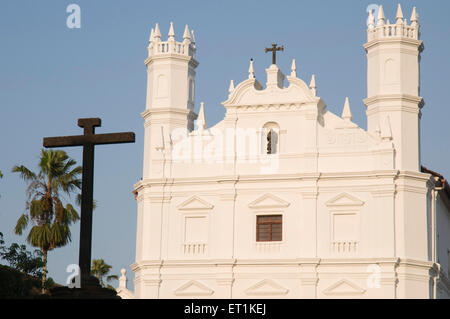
[[170, 93], [393, 84]]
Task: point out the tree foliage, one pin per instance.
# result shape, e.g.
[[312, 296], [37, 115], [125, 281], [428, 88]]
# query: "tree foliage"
[[19, 258], [21, 279], [101, 269], [48, 217]]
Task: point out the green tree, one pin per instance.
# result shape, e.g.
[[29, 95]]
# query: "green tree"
[[21, 259], [100, 269], [22, 278], [45, 210]]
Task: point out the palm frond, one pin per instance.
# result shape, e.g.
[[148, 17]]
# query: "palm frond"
[[78, 202], [25, 173], [40, 236], [36, 209], [112, 277], [68, 165], [22, 223], [61, 235], [71, 214]]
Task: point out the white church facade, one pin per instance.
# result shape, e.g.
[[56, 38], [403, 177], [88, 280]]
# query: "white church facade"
[[282, 198]]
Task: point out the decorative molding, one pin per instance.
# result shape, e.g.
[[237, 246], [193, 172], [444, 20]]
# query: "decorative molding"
[[344, 287], [268, 201], [195, 203], [267, 287], [344, 246], [393, 97], [195, 248], [268, 246], [412, 189], [344, 200], [193, 288]]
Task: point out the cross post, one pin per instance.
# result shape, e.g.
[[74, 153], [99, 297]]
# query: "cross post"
[[274, 50], [88, 141]]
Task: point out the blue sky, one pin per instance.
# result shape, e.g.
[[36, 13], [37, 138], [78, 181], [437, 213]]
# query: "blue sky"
[[51, 75]]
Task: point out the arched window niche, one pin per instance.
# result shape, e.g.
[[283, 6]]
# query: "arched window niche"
[[270, 138]]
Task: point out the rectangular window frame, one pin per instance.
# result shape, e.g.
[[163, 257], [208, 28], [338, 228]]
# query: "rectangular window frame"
[[270, 223]]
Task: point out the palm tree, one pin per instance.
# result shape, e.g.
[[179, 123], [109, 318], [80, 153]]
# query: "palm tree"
[[44, 208], [100, 269]]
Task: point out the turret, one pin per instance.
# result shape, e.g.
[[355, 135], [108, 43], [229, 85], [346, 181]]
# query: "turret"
[[170, 99], [393, 84]]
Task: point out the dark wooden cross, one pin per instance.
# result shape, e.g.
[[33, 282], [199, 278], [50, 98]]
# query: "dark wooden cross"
[[88, 141], [274, 50]]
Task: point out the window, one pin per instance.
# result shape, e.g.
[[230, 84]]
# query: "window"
[[270, 137], [268, 228]]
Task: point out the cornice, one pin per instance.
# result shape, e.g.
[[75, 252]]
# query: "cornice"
[[394, 97], [165, 110], [168, 56], [383, 40], [314, 177]]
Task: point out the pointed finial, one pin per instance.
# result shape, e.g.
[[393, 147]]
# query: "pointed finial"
[[312, 85], [152, 33], [388, 22], [171, 32], [381, 18], [251, 71], [293, 69], [231, 88], [201, 121], [186, 34], [346, 112], [157, 33], [192, 36], [371, 20], [414, 16], [399, 15]]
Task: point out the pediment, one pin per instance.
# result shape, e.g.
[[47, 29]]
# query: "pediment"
[[268, 201], [344, 199], [195, 203], [250, 92], [193, 288], [344, 287], [266, 287]]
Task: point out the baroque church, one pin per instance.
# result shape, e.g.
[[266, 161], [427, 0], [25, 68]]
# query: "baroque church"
[[283, 198]]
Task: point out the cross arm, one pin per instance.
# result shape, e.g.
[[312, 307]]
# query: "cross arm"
[[98, 139]]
